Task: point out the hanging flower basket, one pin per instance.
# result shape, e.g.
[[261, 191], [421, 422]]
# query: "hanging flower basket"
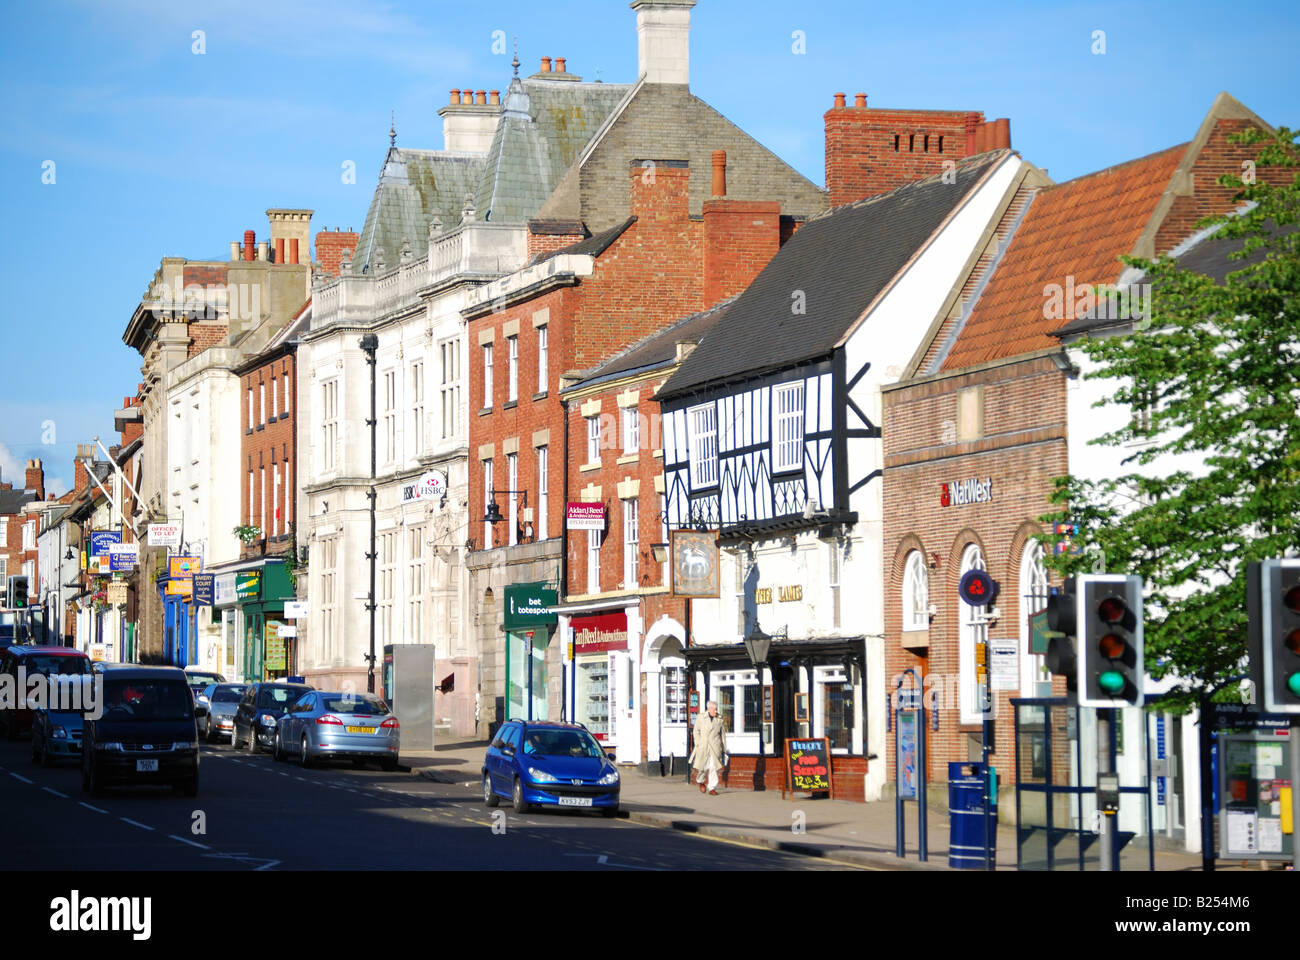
[[248, 534]]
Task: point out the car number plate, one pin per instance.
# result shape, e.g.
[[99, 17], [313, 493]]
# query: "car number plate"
[[575, 801], [146, 766], [361, 729]]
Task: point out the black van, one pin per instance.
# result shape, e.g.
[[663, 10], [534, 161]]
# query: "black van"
[[146, 735]]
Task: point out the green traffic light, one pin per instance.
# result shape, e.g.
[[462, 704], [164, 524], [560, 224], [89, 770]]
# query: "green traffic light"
[[1111, 681], [1293, 684]]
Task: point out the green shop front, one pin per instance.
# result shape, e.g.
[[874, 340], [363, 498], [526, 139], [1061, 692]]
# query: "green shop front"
[[270, 644], [529, 623]]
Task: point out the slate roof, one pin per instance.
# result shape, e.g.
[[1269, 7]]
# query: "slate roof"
[[1074, 229], [841, 260], [11, 501], [592, 246], [660, 348]]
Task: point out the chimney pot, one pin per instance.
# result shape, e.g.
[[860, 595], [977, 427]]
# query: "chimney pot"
[[480, 97], [234, 249], [494, 97], [455, 97], [293, 250], [1002, 133], [467, 97], [859, 99], [839, 101], [719, 173], [262, 250], [279, 249], [546, 65], [250, 244], [559, 64]]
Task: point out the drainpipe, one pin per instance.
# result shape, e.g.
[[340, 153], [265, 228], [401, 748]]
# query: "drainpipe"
[[566, 689]]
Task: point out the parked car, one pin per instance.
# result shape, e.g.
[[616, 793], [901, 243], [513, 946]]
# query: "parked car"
[[260, 709], [146, 734], [220, 701], [199, 679], [549, 764], [354, 726], [56, 735], [49, 661]]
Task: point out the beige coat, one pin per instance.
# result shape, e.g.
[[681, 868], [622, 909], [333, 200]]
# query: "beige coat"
[[710, 742]]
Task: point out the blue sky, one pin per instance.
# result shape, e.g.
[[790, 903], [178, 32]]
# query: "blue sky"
[[160, 151]]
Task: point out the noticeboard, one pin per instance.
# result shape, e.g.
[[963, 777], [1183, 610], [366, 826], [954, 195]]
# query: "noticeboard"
[[1256, 796], [808, 765], [907, 754]]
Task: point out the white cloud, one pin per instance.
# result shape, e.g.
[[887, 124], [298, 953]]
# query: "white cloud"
[[12, 470]]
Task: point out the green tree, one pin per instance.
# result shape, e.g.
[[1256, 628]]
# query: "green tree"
[[1213, 372]]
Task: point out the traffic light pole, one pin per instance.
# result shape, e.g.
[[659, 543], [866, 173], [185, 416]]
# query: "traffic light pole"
[[1106, 835], [1295, 805]]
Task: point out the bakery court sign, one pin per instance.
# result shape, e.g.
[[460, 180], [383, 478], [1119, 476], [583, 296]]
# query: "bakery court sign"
[[962, 492]]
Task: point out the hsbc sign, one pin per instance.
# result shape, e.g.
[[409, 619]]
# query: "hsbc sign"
[[965, 491]]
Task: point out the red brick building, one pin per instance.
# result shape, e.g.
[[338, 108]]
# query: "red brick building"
[[19, 528]]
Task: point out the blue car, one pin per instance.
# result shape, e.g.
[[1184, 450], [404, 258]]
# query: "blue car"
[[548, 764], [56, 735]]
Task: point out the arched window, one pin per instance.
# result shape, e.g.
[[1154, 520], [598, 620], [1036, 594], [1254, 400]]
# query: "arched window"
[[971, 633], [916, 593], [1033, 597]]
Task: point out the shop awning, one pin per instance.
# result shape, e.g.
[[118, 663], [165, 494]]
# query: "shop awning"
[[830, 649]]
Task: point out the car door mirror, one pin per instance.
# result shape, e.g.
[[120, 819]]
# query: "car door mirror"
[[508, 750]]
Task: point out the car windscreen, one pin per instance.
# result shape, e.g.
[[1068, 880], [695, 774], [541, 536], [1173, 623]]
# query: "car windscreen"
[[561, 743], [202, 679], [146, 700], [50, 665], [278, 698], [227, 694], [362, 705]]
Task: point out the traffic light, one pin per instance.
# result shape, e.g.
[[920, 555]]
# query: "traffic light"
[[1109, 631], [1273, 606], [18, 592], [1062, 621]]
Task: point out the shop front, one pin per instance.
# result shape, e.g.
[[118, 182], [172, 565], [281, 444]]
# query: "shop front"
[[604, 690], [225, 612], [268, 641], [180, 622], [529, 622]]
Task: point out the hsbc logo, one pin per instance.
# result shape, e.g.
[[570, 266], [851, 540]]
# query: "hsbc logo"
[[965, 491]]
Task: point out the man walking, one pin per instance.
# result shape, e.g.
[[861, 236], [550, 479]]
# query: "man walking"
[[708, 756]]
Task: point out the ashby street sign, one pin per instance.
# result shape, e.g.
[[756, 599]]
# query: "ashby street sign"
[[530, 605]]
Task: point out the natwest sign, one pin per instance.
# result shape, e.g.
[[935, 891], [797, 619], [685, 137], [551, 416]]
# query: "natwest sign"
[[963, 492], [585, 516]]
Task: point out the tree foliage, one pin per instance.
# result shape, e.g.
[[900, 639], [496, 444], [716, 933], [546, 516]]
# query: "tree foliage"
[[1215, 369]]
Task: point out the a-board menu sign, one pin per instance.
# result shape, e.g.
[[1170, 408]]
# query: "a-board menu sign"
[[808, 765]]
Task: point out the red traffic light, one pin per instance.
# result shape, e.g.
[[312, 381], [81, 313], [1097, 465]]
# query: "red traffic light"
[[1291, 599], [1292, 641], [1111, 610]]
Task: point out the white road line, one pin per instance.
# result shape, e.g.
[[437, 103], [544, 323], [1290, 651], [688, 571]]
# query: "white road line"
[[173, 836], [302, 779], [19, 777], [55, 792], [142, 826], [89, 807]]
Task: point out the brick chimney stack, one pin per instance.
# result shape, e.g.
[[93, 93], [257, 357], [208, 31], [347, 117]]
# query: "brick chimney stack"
[[331, 245], [740, 237], [35, 478]]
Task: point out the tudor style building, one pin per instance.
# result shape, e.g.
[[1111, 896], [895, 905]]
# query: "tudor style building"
[[771, 433]]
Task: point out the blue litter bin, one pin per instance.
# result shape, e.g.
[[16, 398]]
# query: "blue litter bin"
[[966, 817]]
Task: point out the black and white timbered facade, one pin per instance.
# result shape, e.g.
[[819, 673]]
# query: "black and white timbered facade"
[[772, 437]]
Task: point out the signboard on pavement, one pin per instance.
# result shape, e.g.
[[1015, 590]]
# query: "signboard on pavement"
[[164, 534], [808, 765]]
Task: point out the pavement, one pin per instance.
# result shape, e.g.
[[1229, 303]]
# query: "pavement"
[[862, 834]]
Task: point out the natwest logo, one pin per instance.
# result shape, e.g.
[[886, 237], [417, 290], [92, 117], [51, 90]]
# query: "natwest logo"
[[965, 491]]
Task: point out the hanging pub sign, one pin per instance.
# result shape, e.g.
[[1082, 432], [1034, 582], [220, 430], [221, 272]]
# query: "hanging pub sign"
[[962, 492], [585, 516], [431, 486], [808, 765], [694, 563]]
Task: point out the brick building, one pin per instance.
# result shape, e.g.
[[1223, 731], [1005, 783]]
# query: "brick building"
[[571, 310], [19, 528], [992, 409]]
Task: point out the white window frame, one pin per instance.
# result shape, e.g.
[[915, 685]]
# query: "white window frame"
[[787, 427], [262, 485], [275, 398], [512, 349], [415, 583], [970, 632], [29, 535], [916, 593], [390, 416], [833, 674], [593, 439], [593, 560], [487, 376], [251, 422], [252, 502], [631, 430], [288, 497], [449, 388], [284, 376], [1034, 590], [703, 422], [541, 358], [329, 424], [275, 499], [543, 489], [741, 738], [631, 545]]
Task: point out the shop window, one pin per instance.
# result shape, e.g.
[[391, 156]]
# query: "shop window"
[[835, 708], [1033, 597], [674, 683], [740, 701]]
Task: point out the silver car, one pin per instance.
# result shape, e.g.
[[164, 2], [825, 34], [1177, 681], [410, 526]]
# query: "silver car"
[[323, 725], [221, 700]]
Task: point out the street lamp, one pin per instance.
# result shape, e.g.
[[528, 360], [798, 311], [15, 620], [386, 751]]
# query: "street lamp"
[[758, 645], [369, 344]]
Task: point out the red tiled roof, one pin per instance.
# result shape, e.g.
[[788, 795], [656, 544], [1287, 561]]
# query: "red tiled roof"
[[1074, 229]]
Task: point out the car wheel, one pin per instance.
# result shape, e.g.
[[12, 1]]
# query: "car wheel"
[[489, 796], [521, 805], [276, 753], [252, 741], [304, 756], [610, 812], [388, 764]]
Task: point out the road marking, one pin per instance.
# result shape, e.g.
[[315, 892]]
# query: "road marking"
[[301, 779], [55, 792], [19, 777], [142, 826], [190, 842], [283, 774], [244, 858], [89, 807]]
